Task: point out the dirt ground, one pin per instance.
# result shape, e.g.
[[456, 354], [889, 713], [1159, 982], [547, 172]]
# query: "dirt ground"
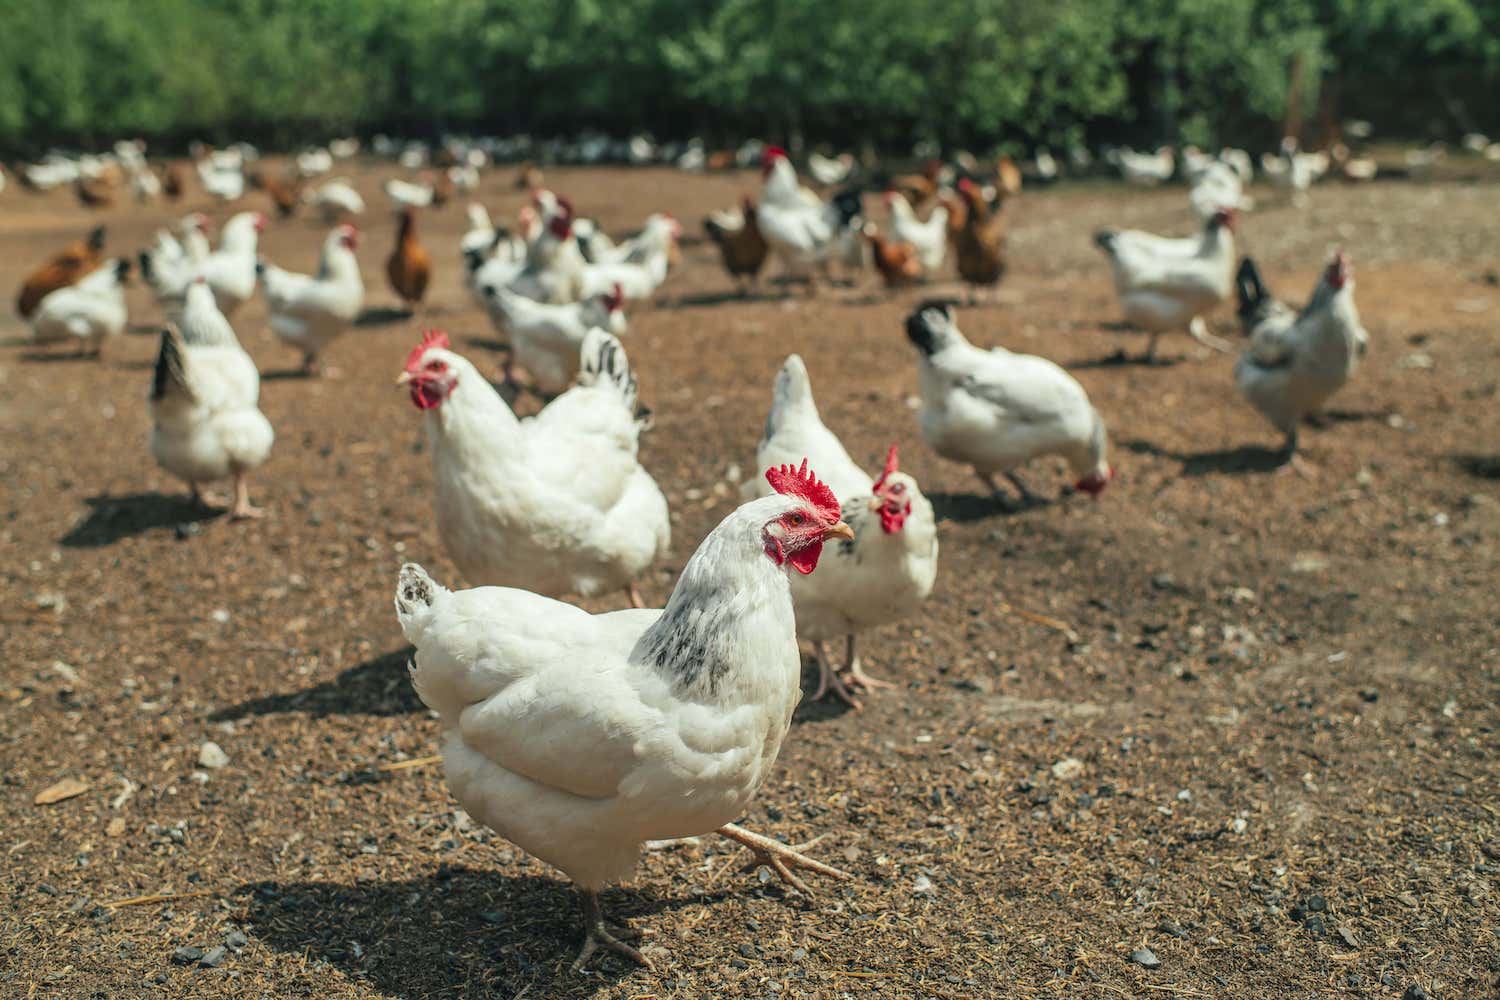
[[1265, 750]]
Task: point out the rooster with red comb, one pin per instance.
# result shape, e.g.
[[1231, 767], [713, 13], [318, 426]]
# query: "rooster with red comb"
[[879, 576], [579, 737]]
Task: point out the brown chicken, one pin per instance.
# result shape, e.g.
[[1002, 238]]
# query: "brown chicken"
[[744, 249], [285, 191], [1007, 179], [897, 263], [442, 189], [171, 180], [724, 159], [94, 192], [980, 246], [73, 262], [409, 265], [529, 177], [919, 187]]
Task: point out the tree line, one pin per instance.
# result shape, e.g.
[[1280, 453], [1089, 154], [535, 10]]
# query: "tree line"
[[979, 73]]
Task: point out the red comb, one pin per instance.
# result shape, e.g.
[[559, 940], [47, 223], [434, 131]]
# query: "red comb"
[[616, 297], [800, 483], [430, 339], [891, 465]]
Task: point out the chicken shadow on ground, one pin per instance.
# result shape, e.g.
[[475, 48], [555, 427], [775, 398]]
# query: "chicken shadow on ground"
[[49, 357], [460, 932], [382, 316], [964, 508], [727, 297], [1120, 359], [380, 686], [112, 518], [1329, 418], [1247, 458], [1479, 466]]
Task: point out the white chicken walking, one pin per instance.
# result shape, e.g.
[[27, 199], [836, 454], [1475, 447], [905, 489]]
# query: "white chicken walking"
[[206, 423], [804, 232], [579, 737], [996, 411], [310, 311], [882, 574], [557, 503], [1169, 284], [930, 237], [1297, 361]]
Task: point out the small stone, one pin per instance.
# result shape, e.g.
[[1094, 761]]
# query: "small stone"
[[747, 950], [236, 940], [1237, 825], [212, 756], [1067, 768], [1347, 936], [220, 615], [214, 957], [1184, 796], [1415, 992], [1164, 581], [798, 954], [738, 963], [185, 530], [922, 885], [494, 916], [1315, 925], [1146, 958], [1317, 904], [187, 955]]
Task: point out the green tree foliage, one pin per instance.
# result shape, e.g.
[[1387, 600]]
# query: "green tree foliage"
[[977, 72]]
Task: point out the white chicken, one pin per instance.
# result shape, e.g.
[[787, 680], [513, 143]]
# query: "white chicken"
[[88, 311], [930, 237], [206, 424], [830, 171], [406, 194], [1296, 361], [805, 234], [335, 198], [309, 311], [882, 574], [1218, 186], [546, 340], [554, 267], [1291, 170], [1145, 169], [230, 270], [996, 411], [557, 503], [1169, 284], [224, 181], [637, 267], [314, 163], [579, 737]]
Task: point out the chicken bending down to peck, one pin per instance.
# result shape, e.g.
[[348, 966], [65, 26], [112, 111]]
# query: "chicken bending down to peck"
[[545, 339], [65, 268], [310, 311], [805, 232], [579, 737], [1296, 361], [557, 503], [881, 575], [1165, 285], [86, 312], [996, 411], [206, 423]]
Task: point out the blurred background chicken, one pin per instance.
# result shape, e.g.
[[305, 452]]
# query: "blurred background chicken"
[[65, 268], [409, 266]]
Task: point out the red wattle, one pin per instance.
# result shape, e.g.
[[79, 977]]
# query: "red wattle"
[[805, 560]]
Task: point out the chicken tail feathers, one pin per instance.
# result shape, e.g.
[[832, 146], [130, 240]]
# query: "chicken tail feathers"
[[416, 592], [792, 390], [1250, 289], [170, 376], [602, 358]]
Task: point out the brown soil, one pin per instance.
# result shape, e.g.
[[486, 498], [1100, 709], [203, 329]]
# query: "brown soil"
[[1268, 754]]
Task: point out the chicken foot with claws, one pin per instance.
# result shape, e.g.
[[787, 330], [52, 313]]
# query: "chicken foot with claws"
[[780, 858], [600, 935]]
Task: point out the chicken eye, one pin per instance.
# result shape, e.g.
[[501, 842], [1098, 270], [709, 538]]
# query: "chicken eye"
[[898, 488], [434, 365], [795, 520]]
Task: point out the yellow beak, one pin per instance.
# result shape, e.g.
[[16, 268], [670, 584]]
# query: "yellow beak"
[[840, 530], [876, 503], [403, 378]]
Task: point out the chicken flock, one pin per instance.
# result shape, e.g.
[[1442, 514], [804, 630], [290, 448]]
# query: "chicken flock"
[[580, 737]]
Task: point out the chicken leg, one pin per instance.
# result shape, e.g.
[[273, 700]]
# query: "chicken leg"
[[634, 594], [855, 677], [1027, 497], [243, 508], [598, 934], [829, 679], [780, 858], [1198, 330], [1291, 461], [205, 500]]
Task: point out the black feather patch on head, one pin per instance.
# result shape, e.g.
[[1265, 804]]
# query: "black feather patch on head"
[[919, 324]]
